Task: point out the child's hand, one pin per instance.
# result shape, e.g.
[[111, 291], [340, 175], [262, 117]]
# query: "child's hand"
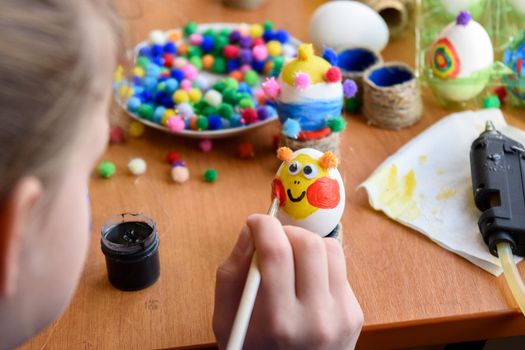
[[304, 301]]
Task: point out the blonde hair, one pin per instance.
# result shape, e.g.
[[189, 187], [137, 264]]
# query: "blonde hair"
[[46, 70]]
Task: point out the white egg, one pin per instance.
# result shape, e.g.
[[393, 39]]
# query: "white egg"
[[313, 199], [347, 24], [471, 44], [455, 6]]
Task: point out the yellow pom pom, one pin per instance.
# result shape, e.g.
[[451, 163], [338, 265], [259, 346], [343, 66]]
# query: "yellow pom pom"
[[136, 129], [285, 154], [119, 74], [139, 72], [195, 95], [306, 62], [180, 96], [125, 92], [274, 48], [256, 30], [167, 115], [328, 160]]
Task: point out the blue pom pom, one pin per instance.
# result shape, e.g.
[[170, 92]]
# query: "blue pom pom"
[[235, 121], [245, 56], [258, 66], [177, 74], [271, 110], [170, 47], [159, 61], [243, 87], [225, 123], [232, 65], [171, 85], [153, 70], [268, 35], [145, 51], [159, 112], [137, 90], [137, 80], [134, 104], [167, 102], [207, 44], [330, 56], [150, 83], [291, 128], [214, 122], [282, 36], [160, 96], [157, 50], [146, 96]]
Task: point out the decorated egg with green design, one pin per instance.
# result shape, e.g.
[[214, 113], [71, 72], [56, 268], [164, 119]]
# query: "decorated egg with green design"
[[460, 59]]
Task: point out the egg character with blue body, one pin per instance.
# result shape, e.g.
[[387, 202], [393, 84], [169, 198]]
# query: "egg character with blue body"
[[310, 190]]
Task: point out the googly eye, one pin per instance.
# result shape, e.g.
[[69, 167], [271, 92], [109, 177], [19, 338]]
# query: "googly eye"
[[310, 171], [294, 168]]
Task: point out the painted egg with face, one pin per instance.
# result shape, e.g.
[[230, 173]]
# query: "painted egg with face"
[[310, 190], [461, 56]]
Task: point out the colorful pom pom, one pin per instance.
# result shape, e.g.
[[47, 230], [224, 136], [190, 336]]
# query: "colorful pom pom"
[[328, 160], [176, 124], [271, 88], [260, 52], [210, 175], [181, 96], [136, 129], [251, 78], [291, 128], [172, 157], [206, 146], [157, 37], [491, 101], [333, 75], [231, 51], [274, 48], [337, 124], [463, 18], [137, 166], [106, 169], [349, 88], [249, 115], [284, 154], [190, 72], [116, 135], [302, 80], [330, 56], [185, 85], [196, 39], [180, 174], [213, 98]]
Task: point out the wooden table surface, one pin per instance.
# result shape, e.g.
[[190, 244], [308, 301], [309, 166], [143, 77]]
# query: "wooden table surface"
[[412, 291]]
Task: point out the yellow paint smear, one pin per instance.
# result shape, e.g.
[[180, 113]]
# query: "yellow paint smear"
[[423, 159], [396, 193], [446, 193]]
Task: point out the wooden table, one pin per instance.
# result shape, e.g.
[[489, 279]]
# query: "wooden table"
[[427, 296]]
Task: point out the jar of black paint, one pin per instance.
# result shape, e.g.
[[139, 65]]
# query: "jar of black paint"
[[130, 243]]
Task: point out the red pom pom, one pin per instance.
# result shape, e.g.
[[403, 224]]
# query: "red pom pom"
[[231, 51], [172, 157], [165, 74], [258, 41], [501, 92], [117, 135], [333, 75], [249, 115], [246, 150], [168, 60]]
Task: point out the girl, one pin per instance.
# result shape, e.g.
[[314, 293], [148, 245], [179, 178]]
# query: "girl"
[[57, 59]]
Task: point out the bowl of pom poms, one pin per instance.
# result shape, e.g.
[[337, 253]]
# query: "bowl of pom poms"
[[203, 81]]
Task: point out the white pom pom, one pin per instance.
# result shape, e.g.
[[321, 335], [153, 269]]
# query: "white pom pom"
[[157, 37], [213, 98], [137, 166], [180, 174]]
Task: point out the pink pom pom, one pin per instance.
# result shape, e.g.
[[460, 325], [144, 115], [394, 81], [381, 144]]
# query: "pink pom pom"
[[333, 75], [302, 81], [271, 88], [190, 72], [180, 62], [245, 68], [260, 52], [206, 146], [185, 85], [196, 39], [176, 123]]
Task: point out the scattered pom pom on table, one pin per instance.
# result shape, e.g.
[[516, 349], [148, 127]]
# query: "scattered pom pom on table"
[[136, 129], [349, 88], [271, 88], [210, 175], [206, 146], [117, 135], [491, 101], [172, 157], [106, 169], [137, 166], [302, 80], [246, 150], [180, 174]]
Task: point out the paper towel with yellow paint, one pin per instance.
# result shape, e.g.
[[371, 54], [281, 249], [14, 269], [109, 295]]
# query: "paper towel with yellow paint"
[[427, 186]]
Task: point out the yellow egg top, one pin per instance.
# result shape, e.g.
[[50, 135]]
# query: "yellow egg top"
[[306, 62]]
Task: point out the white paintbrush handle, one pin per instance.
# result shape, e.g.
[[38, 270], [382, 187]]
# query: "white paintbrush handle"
[[249, 294]]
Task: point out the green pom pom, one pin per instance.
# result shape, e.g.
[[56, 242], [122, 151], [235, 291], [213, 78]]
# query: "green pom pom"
[[194, 51], [268, 25], [197, 62], [219, 86], [337, 124], [225, 31], [220, 43], [161, 86], [210, 175], [202, 123], [146, 111], [246, 103], [190, 28], [352, 105], [225, 111], [199, 106], [231, 83], [491, 101], [251, 78], [209, 32], [219, 65], [106, 169], [142, 62], [229, 95], [209, 110]]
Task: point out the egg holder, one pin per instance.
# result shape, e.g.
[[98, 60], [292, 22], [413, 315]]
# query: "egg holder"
[[503, 75]]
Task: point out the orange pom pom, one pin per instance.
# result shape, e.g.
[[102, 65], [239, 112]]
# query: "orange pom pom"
[[237, 75], [328, 160], [285, 154], [183, 49], [175, 36], [207, 61]]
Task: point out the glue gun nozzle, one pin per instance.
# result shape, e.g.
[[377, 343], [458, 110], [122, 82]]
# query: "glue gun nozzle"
[[489, 126]]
